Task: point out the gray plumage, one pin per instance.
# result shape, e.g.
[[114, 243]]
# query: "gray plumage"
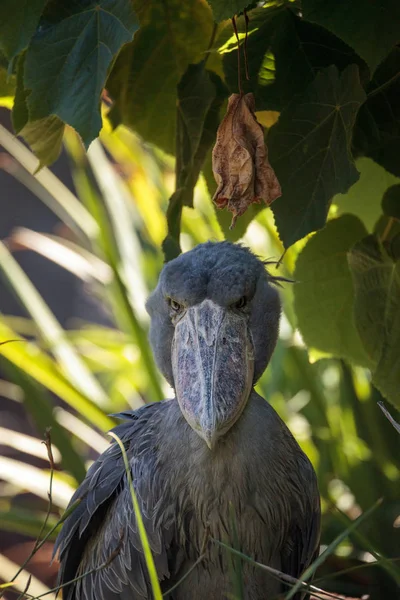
[[217, 455]]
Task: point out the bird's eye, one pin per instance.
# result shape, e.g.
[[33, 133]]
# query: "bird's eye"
[[174, 305], [241, 303]]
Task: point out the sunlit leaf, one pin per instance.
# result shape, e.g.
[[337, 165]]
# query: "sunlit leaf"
[[363, 197], [324, 290], [377, 311]]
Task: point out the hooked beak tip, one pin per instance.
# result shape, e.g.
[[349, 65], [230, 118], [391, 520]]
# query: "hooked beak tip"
[[210, 440]]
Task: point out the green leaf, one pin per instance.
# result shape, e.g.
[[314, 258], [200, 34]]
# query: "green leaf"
[[376, 280], [26, 522], [67, 63], [323, 293], [260, 61], [18, 22], [143, 82], [284, 53], [226, 9], [309, 148], [20, 114], [363, 198], [371, 27], [377, 130], [7, 83], [200, 97], [45, 137]]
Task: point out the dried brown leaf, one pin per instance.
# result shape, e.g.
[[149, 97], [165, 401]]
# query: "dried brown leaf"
[[240, 160]]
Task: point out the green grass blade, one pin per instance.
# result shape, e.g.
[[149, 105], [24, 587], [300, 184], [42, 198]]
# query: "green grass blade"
[[151, 568], [49, 328], [40, 367], [39, 406], [392, 569], [331, 548], [27, 523], [46, 186]]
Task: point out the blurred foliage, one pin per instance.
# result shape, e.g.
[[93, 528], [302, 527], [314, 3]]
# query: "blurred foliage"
[[327, 93]]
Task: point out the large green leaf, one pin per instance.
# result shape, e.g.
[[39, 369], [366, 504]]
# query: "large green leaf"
[[371, 27], [376, 278], [377, 130], [68, 60], [323, 293], [309, 148], [200, 97], [284, 53], [18, 22], [144, 80], [226, 9], [363, 198]]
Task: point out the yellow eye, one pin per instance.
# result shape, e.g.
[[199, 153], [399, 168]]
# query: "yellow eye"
[[176, 307]]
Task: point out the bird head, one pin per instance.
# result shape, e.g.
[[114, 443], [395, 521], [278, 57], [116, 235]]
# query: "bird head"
[[214, 325]]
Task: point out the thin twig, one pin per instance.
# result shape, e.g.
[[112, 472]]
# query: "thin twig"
[[61, 520], [10, 341], [387, 414], [387, 229], [375, 563], [28, 583], [38, 544], [278, 264], [246, 68], [182, 579], [47, 443], [104, 565], [291, 581], [197, 562], [239, 69]]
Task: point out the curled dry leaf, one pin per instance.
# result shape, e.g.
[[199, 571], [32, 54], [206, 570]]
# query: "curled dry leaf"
[[240, 160]]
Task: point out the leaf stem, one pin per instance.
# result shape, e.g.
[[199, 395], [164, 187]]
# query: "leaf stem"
[[238, 56]]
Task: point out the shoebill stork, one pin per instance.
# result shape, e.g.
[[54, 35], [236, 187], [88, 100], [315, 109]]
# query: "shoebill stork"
[[215, 458]]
